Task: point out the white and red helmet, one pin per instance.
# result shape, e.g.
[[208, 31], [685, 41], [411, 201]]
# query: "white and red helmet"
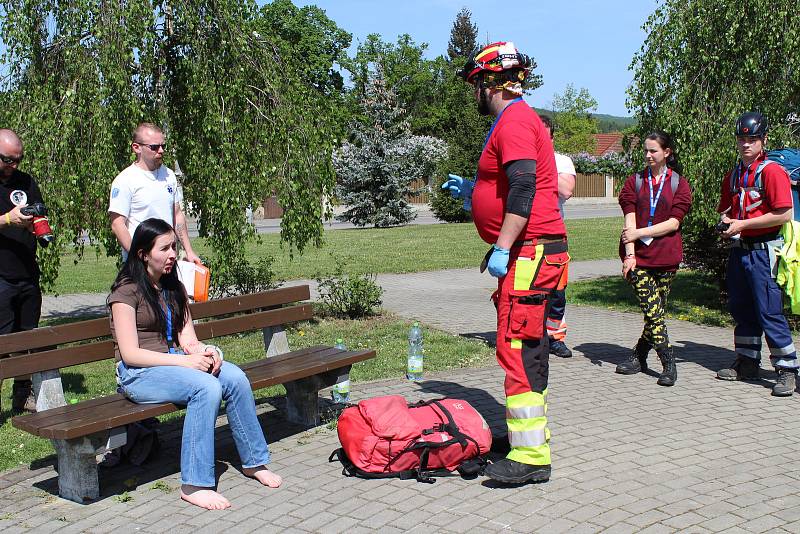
[[501, 63]]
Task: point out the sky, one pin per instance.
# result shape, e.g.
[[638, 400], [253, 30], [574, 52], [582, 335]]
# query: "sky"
[[588, 43]]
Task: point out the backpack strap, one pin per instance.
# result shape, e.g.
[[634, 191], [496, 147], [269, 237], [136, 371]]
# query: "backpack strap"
[[757, 185], [759, 169], [676, 178]]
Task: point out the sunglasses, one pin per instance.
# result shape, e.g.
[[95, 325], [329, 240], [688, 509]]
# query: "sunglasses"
[[154, 148], [8, 160]]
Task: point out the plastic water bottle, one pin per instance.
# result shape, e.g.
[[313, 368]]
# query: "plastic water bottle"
[[414, 369], [341, 390]]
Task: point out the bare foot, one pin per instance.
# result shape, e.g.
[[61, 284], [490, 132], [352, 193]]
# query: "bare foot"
[[263, 475], [204, 498]]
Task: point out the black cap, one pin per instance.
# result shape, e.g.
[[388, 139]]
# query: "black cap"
[[751, 124]]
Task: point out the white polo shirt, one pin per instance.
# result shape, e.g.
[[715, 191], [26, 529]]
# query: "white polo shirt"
[[564, 165], [138, 194]]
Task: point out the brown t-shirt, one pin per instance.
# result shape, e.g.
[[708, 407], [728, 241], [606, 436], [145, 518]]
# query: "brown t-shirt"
[[150, 337]]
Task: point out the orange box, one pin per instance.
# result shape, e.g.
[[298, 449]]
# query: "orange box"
[[195, 279]]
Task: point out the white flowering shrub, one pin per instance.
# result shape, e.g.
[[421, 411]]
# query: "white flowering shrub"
[[376, 167]]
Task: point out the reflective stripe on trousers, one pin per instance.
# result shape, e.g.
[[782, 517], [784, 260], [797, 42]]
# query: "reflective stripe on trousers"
[[557, 329], [524, 355], [527, 428]]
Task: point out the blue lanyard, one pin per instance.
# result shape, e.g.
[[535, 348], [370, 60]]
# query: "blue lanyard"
[[168, 313], [496, 120], [488, 135], [742, 182], [654, 201]]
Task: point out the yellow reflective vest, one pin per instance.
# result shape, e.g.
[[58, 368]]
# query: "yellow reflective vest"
[[789, 264]]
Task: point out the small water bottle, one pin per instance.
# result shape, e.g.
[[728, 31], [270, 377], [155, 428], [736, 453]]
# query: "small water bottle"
[[414, 369], [341, 390]]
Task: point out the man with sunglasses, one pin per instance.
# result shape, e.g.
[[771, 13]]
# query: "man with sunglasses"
[[20, 297], [147, 189], [514, 203]]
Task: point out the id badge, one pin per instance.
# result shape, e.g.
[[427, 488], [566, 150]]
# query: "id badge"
[[646, 240]]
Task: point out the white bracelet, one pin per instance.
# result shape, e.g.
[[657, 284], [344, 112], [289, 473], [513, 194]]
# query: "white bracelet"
[[217, 350]]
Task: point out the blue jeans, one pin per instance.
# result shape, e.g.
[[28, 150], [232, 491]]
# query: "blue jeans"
[[201, 393]]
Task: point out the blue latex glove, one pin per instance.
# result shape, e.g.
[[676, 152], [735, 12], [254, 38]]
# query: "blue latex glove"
[[498, 262], [460, 188]]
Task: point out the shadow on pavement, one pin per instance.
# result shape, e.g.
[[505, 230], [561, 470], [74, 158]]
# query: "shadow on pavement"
[[490, 338], [126, 476], [715, 358]]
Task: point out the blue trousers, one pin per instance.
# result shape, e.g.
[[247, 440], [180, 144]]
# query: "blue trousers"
[[756, 304], [556, 326], [201, 393]]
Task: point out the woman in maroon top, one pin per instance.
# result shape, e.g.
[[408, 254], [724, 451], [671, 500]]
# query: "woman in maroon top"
[[654, 202]]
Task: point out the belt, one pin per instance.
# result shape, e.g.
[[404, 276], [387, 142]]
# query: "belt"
[[540, 241], [757, 245]]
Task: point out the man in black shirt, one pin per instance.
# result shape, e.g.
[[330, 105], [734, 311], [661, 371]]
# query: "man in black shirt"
[[20, 297]]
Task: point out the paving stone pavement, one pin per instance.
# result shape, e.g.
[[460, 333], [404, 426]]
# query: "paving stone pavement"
[[628, 455]]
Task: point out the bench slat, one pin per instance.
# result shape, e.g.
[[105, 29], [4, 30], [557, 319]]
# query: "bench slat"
[[113, 411], [96, 409], [93, 328], [254, 321], [91, 352], [255, 301]]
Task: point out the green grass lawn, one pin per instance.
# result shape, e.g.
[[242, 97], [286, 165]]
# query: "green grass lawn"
[[694, 297], [390, 250], [386, 334]]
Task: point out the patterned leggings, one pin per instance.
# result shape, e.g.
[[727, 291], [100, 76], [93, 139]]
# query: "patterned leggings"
[[652, 289]]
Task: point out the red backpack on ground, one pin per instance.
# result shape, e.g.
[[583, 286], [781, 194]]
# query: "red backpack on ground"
[[386, 437]]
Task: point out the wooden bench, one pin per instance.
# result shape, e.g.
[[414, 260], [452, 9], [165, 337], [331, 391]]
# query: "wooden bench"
[[81, 431]]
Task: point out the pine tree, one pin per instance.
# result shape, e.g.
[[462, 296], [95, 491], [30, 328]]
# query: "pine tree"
[[463, 36], [376, 169]]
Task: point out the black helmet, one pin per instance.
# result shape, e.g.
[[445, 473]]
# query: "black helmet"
[[751, 124]]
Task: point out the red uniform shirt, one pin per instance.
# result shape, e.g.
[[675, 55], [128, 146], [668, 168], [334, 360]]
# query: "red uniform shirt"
[[518, 135], [665, 252], [776, 194]]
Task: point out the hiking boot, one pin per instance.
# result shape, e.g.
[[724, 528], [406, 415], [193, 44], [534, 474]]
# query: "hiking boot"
[[743, 368], [670, 373], [511, 472], [784, 385], [637, 359], [560, 349], [22, 398]]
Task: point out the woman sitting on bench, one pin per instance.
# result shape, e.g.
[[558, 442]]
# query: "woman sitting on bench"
[[159, 359]]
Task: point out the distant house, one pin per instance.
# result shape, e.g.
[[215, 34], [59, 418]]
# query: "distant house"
[[607, 143]]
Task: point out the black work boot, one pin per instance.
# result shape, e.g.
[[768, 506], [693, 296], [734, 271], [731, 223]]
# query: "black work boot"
[[670, 373], [22, 396], [637, 360], [560, 349], [512, 472], [785, 384], [743, 368]]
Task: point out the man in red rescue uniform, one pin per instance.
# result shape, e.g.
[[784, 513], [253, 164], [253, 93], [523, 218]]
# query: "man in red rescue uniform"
[[755, 200], [514, 202]]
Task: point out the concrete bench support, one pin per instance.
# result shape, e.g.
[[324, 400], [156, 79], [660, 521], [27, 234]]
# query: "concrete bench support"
[[78, 480], [302, 396]]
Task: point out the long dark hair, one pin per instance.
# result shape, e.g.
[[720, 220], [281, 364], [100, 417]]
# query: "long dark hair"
[[665, 142], [134, 271]]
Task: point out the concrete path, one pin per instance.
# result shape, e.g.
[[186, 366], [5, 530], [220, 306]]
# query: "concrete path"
[[76, 305], [628, 455], [578, 208]]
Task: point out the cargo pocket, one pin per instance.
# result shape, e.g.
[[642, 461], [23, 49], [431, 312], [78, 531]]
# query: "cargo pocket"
[[552, 272], [528, 314]]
